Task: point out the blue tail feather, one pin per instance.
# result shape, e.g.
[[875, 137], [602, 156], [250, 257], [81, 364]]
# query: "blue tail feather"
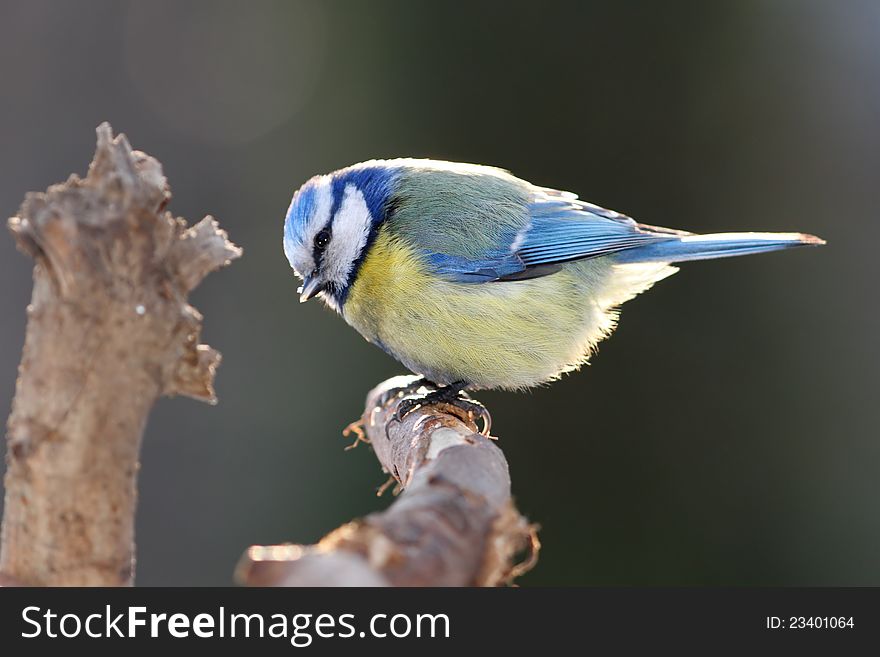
[[720, 245]]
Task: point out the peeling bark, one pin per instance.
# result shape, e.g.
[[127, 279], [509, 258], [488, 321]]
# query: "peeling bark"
[[109, 331]]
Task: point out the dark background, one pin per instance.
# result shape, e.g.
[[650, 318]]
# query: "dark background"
[[726, 434]]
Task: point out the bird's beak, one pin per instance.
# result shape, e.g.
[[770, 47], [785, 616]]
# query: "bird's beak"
[[310, 287]]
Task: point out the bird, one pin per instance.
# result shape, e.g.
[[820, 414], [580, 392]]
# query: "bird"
[[473, 278]]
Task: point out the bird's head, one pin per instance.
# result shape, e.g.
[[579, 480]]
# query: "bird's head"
[[330, 225]]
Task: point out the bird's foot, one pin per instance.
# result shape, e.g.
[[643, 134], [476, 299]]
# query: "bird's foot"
[[410, 388], [452, 395]]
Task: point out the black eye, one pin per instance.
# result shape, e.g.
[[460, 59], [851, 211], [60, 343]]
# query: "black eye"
[[322, 239]]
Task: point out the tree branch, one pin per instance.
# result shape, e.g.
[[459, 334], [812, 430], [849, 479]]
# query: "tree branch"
[[109, 331], [453, 525]]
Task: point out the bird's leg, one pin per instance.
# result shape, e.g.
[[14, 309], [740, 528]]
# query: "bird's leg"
[[454, 395]]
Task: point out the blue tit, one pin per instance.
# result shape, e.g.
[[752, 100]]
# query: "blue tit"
[[476, 279]]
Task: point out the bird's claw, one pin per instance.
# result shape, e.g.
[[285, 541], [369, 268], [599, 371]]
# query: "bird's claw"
[[391, 394], [475, 411], [406, 406], [457, 399]]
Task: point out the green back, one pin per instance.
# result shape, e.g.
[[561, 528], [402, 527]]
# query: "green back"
[[463, 210]]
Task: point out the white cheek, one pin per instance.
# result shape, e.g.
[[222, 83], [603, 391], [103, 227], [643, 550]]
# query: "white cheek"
[[351, 228]]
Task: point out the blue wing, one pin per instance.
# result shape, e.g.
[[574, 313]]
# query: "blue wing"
[[560, 228], [564, 228]]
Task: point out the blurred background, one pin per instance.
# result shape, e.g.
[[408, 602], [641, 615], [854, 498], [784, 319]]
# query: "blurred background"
[[727, 434]]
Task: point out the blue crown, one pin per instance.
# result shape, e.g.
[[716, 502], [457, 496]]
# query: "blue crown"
[[375, 181]]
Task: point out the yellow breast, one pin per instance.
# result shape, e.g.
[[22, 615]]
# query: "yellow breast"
[[492, 335]]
